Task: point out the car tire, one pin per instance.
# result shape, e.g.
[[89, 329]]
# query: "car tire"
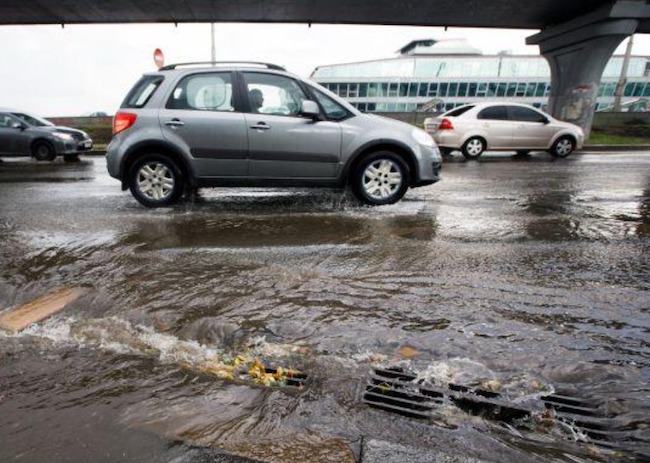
[[43, 151], [563, 146], [473, 148], [156, 181], [380, 178]]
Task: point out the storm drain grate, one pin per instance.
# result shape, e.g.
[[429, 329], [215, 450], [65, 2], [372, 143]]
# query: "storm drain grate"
[[396, 391], [292, 378]]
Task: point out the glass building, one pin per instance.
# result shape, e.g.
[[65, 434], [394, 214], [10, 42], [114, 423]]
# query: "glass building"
[[443, 74]]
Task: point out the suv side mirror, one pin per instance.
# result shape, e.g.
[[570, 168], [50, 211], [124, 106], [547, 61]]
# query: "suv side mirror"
[[18, 126], [545, 121], [309, 108]]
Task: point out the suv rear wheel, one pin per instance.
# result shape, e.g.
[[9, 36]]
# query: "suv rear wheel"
[[156, 180], [380, 178]]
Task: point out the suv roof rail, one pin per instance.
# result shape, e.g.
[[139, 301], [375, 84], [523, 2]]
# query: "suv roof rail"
[[217, 63]]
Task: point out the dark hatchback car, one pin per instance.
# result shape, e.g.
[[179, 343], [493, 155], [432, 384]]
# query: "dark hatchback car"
[[23, 134]]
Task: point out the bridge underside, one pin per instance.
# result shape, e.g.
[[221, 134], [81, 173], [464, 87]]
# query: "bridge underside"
[[458, 13]]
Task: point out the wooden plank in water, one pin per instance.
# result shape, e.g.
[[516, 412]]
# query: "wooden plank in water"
[[20, 318]]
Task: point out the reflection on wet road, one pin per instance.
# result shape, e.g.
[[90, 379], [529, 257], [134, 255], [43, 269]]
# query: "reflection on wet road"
[[526, 273]]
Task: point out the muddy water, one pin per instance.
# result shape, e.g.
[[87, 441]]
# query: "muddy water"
[[522, 274]]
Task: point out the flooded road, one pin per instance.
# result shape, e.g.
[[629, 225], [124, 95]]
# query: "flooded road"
[[526, 276]]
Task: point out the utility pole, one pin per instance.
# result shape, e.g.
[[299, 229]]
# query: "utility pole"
[[214, 48], [622, 80]]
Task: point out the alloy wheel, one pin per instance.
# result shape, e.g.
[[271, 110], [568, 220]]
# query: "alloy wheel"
[[382, 178], [155, 181]]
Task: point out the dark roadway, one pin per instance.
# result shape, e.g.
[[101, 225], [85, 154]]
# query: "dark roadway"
[[532, 274]]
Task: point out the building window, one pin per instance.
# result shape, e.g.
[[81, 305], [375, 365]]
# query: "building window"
[[424, 89], [521, 89], [471, 89], [512, 89], [530, 89], [363, 90], [501, 89], [433, 90], [413, 89], [462, 89], [442, 89], [607, 89]]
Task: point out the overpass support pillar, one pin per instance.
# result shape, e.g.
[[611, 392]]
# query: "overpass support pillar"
[[578, 51]]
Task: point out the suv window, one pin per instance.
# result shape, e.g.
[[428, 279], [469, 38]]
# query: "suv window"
[[273, 94], [517, 113], [142, 91], [333, 110], [458, 111], [203, 92], [497, 113]]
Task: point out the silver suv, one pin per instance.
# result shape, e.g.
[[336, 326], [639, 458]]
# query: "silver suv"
[[254, 124]]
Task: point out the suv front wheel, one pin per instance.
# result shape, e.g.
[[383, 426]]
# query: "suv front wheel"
[[156, 180], [380, 178]]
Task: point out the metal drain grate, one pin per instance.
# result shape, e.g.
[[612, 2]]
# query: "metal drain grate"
[[394, 390], [291, 377]]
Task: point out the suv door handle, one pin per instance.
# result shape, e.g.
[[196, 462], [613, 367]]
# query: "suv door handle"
[[175, 123], [261, 126]]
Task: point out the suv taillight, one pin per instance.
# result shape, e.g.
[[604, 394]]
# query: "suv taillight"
[[123, 121], [446, 124]]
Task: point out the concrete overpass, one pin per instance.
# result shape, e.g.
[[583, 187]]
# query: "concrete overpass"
[[577, 37]]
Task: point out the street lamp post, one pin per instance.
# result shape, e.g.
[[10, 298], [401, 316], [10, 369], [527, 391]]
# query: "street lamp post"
[[620, 86]]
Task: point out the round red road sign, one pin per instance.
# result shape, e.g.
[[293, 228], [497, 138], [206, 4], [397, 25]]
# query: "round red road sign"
[[158, 58]]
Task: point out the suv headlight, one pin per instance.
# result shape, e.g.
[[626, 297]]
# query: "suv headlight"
[[63, 136], [422, 138]]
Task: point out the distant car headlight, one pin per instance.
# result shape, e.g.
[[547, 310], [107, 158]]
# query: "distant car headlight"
[[63, 136], [423, 138]]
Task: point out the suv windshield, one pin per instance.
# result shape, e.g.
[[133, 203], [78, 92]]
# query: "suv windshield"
[[142, 92]]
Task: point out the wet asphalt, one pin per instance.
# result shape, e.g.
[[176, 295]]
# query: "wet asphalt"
[[526, 273]]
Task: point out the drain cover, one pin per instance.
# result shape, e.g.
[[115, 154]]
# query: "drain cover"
[[290, 377], [395, 390]]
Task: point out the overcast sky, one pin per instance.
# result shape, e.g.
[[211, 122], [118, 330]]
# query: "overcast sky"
[[80, 69]]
